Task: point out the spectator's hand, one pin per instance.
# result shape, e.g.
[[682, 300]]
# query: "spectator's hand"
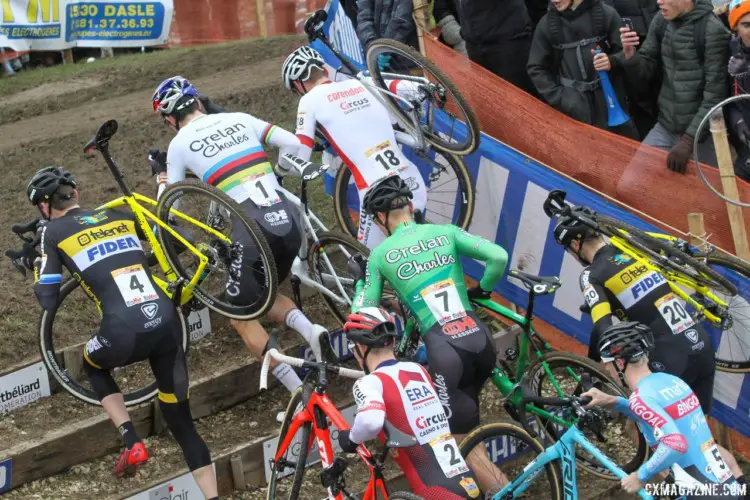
[[743, 131], [629, 39], [384, 61], [631, 483], [601, 61], [680, 154], [737, 65]]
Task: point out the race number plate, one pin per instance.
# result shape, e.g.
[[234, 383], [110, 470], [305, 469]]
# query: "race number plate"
[[715, 461], [443, 300], [446, 451], [262, 191], [134, 284], [673, 311]]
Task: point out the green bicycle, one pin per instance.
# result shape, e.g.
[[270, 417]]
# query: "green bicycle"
[[552, 374]]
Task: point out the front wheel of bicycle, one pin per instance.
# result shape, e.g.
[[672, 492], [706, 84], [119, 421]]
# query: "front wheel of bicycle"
[[235, 246], [67, 328], [450, 193], [295, 457], [510, 448], [445, 118], [567, 370]]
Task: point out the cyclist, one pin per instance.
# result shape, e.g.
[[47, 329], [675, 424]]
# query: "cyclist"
[[102, 251], [358, 127], [396, 401], [422, 264], [614, 285], [669, 415], [226, 150]]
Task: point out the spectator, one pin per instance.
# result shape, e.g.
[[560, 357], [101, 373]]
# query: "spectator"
[[386, 19], [498, 37], [564, 69], [446, 17], [739, 78], [690, 46], [537, 10]]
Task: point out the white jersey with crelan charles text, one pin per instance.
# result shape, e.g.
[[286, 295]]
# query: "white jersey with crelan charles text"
[[225, 150], [358, 127]]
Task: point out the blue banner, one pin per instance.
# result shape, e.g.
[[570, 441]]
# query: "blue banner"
[[114, 21]]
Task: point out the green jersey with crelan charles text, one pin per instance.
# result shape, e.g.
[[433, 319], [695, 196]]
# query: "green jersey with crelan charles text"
[[421, 262]]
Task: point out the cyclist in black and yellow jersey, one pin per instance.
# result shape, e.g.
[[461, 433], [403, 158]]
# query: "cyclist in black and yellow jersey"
[[101, 250]]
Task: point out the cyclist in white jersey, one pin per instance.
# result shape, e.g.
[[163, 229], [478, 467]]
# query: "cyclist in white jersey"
[[397, 402], [226, 151], [358, 127]]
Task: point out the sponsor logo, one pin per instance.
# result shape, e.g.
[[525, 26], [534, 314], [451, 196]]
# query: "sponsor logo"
[[412, 183], [676, 442], [277, 218], [149, 310], [91, 219], [220, 140], [199, 324], [86, 237], [678, 388], [325, 460], [153, 323], [568, 475], [108, 248], [699, 346], [442, 393], [461, 327], [351, 106], [6, 472], [621, 258], [655, 461], [420, 395], [643, 412], [470, 487], [408, 270], [585, 277], [94, 344], [645, 285], [683, 407], [633, 272], [343, 94], [657, 367], [235, 273], [19, 390], [431, 424], [24, 386], [697, 422], [359, 396], [380, 147], [692, 336]]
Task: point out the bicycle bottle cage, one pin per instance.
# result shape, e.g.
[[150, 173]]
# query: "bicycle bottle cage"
[[539, 285]]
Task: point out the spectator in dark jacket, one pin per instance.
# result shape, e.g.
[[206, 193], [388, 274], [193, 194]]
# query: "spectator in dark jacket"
[[498, 37], [386, 19], [738, 114], [446, 16], [563, 67], [693, 82]]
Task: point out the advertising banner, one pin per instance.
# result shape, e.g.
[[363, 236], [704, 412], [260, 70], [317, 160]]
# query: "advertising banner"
[[24, 386], [182, 487], [62, 24]]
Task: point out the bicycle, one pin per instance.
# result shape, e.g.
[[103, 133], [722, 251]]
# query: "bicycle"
[[548, 461], [713, 281], [556, 372], [422, 113], [307, 420], [170, 248]]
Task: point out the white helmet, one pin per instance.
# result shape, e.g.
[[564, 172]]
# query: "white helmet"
[[297, 65]]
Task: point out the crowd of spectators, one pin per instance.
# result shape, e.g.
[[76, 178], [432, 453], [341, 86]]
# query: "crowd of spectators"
[[669, 61]]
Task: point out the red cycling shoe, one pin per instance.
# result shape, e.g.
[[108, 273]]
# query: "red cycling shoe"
[[130, 460]]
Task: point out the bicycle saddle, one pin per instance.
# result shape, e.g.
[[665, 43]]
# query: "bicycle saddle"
[[394, 438], [540, 285], [102, 137]]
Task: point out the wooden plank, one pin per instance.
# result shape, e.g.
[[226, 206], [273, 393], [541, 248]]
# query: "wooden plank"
[[697, 229], [421, 16], [260, 6], [238, 473]]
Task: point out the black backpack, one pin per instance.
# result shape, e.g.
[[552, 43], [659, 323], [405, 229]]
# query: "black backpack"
[[699, 34]]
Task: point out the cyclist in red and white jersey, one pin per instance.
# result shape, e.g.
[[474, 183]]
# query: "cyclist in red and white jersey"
[[356, 124], [397, 402]]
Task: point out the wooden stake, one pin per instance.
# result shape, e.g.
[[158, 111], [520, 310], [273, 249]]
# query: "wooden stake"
[[729, 184], [73, 359], [67, 56], [238, 473], [697, 229], [421, 14], [260, 6]]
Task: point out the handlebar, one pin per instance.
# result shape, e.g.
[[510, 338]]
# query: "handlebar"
[[301, 363]]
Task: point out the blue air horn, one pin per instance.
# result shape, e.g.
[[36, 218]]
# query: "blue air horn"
[[615, 114]]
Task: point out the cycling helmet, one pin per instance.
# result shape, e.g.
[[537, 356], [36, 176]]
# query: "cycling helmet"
[[381, 194], [627, 341], [298, 63], [570, 228], [46, 182], [370, 326], [173, 94]]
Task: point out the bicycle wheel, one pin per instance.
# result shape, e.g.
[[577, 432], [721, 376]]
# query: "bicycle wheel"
[[731, 338], [441, 107], [294, 460], [511, 448], [70, 326], [676, 259], [247, 257], [450, 193], [615, 442]]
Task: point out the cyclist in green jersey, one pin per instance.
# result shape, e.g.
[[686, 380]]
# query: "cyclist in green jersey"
[[421, 262]]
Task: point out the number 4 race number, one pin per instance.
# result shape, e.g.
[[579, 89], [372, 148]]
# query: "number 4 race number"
[[134, 285]]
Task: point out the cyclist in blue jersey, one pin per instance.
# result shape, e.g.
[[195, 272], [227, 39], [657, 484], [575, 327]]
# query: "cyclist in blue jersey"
[[670, 417]]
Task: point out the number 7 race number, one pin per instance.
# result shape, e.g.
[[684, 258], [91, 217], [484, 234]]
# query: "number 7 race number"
[[444, 302]]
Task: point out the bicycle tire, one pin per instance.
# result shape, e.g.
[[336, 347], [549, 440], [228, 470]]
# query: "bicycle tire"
[[735, 265], [404, 495], [266, 299], [498, 429], [54, 362], [457, 165], [535, 374], [385, 45], [299, 472], [651, 245]]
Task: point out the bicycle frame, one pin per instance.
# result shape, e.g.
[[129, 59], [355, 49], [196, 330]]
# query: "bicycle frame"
[[564, 451]]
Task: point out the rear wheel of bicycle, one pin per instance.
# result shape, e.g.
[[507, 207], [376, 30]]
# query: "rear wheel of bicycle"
[[567, 370], [731, 337], [437, 99], [221, 218], [450, 193], [664, 254], [510, 449], [75, 321], [292, 463]]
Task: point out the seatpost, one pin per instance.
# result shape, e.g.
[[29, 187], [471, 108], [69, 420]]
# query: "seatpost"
[[530, 308], [119, 178]]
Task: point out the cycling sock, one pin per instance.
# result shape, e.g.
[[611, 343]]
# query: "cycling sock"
[[297, 321], [284, 373], [129, 436]]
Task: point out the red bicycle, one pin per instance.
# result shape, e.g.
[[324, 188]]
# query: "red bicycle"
[[307, 422]]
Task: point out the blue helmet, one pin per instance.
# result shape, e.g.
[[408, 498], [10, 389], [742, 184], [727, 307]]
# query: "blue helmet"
[[168, 96]]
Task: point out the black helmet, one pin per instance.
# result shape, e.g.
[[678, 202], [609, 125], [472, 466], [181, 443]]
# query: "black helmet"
[[370, 326], [46, 182], [570, 228], [380, 195], [626, 341]]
